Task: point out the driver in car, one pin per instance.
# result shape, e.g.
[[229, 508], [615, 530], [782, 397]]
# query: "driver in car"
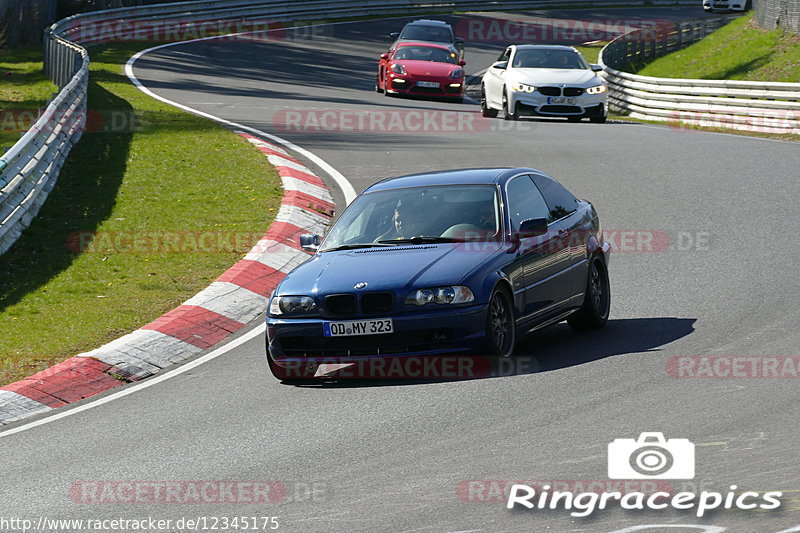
[[405, 224]]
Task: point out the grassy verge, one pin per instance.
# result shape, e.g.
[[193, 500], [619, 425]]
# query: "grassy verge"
[[591, 52], [23, 90], [143, 171], [737, 51]]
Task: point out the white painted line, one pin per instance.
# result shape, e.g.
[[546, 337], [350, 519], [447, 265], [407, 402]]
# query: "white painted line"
[[264, 144], [277, 255], [296, 184], [283, 162], [347, 188], [130, 389], [230, 300], [15, 407], [147, 350], [702, 528], [307, 220]]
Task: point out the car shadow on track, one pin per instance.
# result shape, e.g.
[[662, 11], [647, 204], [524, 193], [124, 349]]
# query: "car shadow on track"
[[547, 350]]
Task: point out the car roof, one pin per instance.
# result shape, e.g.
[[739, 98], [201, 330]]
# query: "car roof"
[[467, 176], [431, 44], [543, 47], [427, 22]]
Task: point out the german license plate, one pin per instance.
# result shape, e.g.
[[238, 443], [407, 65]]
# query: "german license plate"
[[434, 84], [560, 100], [358, 327]]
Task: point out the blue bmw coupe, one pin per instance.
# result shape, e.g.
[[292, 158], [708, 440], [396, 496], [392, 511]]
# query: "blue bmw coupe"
[[451, 262]]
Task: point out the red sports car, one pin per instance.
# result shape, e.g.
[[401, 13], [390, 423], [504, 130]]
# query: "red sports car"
[[421, 69]]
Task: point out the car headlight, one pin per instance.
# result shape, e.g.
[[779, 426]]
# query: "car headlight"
[[291, 305], [523, 88], [457, 73], [397, 68], [456, 294], [600, 89]]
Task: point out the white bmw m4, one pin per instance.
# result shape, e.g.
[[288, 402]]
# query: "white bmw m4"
[[543, 80]]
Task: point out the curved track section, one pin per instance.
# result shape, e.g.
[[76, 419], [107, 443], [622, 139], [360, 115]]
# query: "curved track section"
[[704, 267]]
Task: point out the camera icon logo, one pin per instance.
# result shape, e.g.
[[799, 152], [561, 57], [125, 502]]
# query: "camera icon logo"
[[651, 457]]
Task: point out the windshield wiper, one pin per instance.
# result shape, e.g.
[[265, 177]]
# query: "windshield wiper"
[[355, 246], [420, 240]]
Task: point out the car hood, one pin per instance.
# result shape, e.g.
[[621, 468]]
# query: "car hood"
[[387, 268], [427, 68], [553, 76]]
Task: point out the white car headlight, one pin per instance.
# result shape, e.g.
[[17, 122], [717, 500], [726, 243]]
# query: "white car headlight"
[[523, 88], [456, 294], [291, 305], [600, 89]]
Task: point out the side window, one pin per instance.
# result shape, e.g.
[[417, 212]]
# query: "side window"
[[559, 200], [524, 201], [505, 55]]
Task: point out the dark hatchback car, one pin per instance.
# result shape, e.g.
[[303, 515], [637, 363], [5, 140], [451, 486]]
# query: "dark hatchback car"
[[452, 262], [431, 31]]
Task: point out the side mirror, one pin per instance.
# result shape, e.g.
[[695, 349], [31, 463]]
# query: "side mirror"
[[500, 65], [309, 242], [461, 62], [532, 227], [394, 35], [458, 40], [384, 56], [596, 67]]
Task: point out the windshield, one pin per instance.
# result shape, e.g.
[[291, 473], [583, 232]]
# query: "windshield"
[[539, 58], [425, 53], [447, 213], [421, 32]]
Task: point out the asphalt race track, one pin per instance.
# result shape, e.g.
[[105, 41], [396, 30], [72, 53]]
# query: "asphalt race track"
[[718, 279]]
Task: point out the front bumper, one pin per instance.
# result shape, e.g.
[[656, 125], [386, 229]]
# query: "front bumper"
[[733, 5], [408, 85], [438, 331], [537, 104]]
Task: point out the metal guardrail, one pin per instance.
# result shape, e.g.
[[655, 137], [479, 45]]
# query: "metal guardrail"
[[28, 171], [744, 105]]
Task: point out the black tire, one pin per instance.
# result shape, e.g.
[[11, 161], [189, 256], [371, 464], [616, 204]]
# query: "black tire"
[[574, 119], [500, 327], [601, 119], [597, 300], [708, 9], [748, 5], [458, 100], [507, 115], [486, 111]]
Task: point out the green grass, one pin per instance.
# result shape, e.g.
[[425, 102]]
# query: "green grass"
[[591, 52], [23, 91], [737, 51], [176, 173]]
